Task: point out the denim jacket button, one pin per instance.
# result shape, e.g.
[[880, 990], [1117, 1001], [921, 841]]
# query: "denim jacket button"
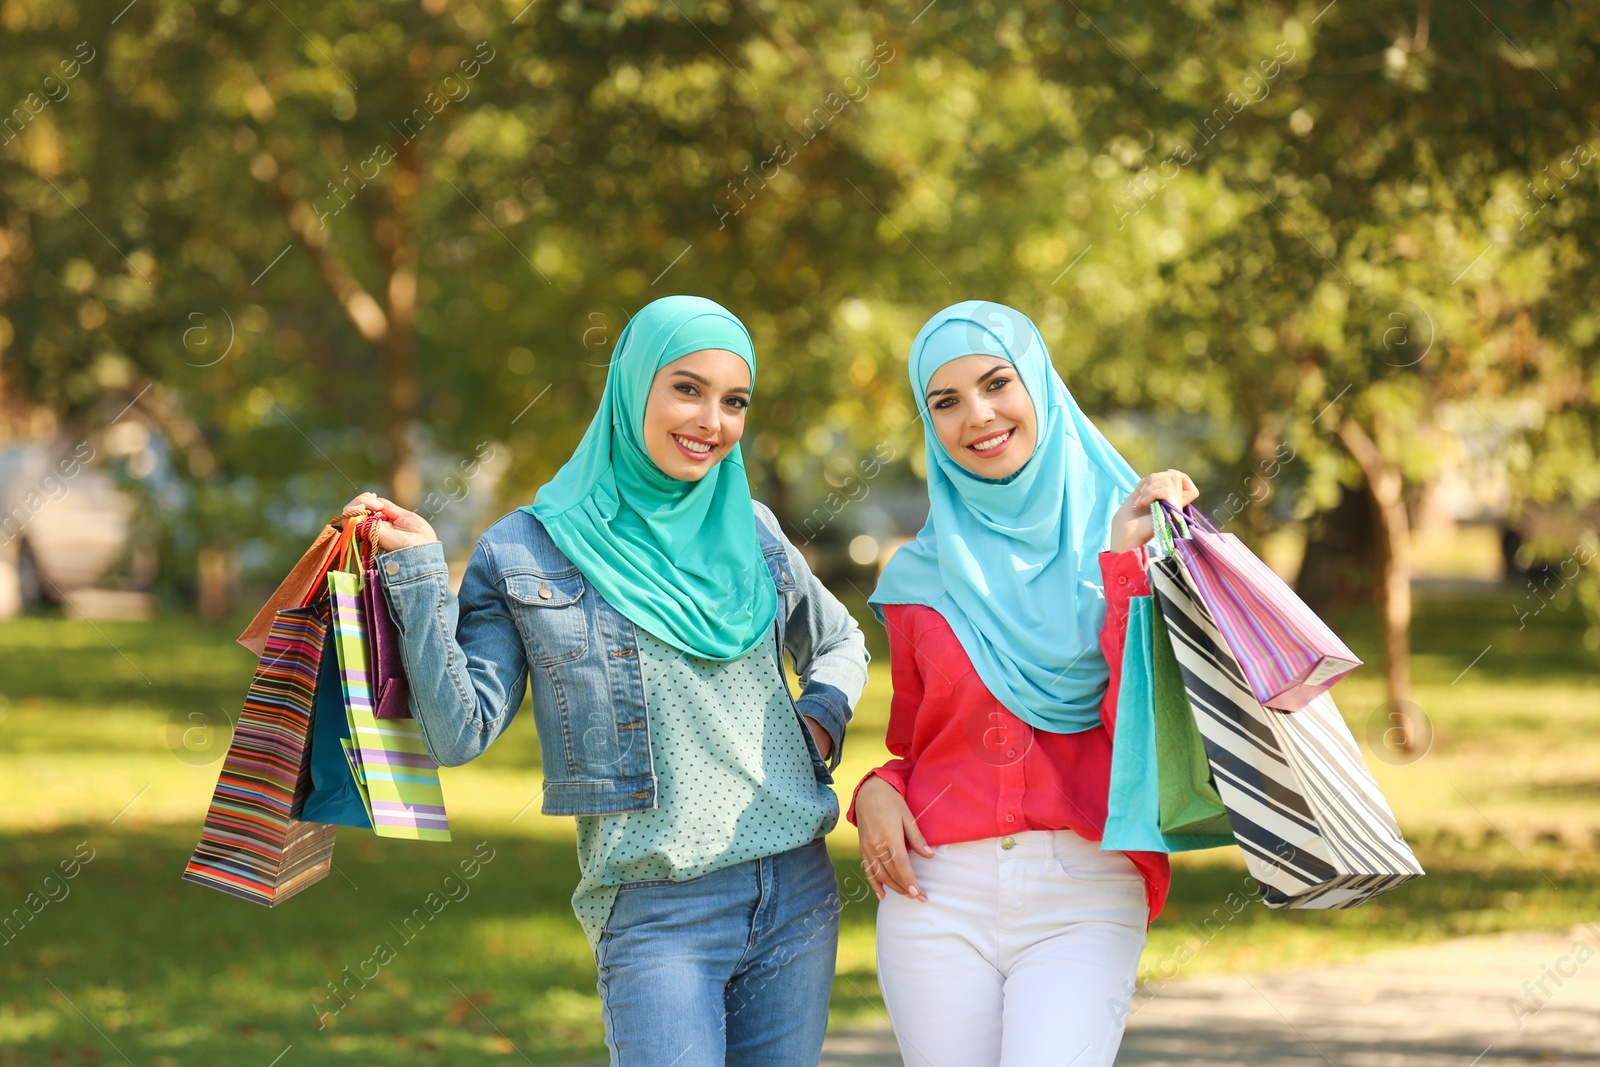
[[392, 568], [641, 795], [544, 591]]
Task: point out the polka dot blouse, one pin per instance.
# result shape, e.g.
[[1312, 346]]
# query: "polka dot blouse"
[[733, 773]]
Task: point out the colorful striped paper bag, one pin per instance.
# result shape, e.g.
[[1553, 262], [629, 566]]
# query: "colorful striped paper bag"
[[253, 844], [1288, 655], [398, 779]]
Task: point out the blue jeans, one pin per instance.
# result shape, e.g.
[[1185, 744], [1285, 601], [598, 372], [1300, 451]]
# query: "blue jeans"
[[733, 967]]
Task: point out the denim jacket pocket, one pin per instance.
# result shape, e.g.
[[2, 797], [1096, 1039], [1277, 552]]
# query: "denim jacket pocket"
[[778, 567], [551, 615], [783, 580]]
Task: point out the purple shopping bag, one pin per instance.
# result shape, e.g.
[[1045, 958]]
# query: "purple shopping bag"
[[1288, 655], [390, 691]]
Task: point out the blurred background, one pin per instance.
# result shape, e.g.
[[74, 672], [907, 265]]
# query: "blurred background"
[[1335, 260]]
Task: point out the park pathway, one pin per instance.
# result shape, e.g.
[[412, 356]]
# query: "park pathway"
[[1509, 998]]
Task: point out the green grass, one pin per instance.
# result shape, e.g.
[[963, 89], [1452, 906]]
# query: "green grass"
[[1504, 811]]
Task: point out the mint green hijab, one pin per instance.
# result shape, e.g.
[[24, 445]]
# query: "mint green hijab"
[[678, 559]]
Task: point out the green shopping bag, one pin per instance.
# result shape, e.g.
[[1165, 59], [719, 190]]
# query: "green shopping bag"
[[1189, 801], [1134, 805]]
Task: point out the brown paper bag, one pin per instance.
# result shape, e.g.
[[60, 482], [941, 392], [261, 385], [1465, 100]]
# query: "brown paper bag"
[[292, 593]]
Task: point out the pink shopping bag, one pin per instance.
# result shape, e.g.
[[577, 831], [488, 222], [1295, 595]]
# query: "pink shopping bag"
[[1288, 655]]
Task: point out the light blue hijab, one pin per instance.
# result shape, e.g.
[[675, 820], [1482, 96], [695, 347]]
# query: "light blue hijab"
[[678, 559], [1013, 565]]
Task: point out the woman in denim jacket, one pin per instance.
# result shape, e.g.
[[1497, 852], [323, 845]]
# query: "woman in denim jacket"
[[649, 600]]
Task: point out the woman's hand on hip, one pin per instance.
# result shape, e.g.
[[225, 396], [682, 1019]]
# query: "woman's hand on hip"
[[1132, 526], [819, 734], [886, 829], [400, 528]]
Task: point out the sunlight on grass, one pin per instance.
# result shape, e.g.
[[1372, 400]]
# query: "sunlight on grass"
[[1504, 811]]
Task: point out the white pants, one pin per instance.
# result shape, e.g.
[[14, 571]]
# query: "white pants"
[[1023, 956]]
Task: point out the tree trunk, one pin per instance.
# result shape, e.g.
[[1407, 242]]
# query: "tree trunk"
[[1385, 485], [391, 333], [1341, 562], [217, 582], [401, 389]]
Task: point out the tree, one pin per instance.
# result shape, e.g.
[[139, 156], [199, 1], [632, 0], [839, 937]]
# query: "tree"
[[425, 227]]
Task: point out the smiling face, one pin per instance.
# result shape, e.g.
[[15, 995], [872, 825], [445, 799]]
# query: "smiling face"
[[695, 413], [983, 415]]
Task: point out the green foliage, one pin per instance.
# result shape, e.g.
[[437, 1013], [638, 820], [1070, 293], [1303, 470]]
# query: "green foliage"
[[1226, 217]]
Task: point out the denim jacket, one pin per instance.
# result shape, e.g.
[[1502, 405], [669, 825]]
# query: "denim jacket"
[[525, 611]]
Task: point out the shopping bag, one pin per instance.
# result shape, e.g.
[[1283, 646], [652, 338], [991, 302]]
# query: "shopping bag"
[[335, 798], [1134, 803], [1287, 654], [1314, 829], [302, 585], [391, 766], [391, 691], [1189, 800], [253, 843]]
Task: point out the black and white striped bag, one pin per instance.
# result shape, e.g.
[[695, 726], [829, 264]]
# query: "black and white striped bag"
[[1315, 831]]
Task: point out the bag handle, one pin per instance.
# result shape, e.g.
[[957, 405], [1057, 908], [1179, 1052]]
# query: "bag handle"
[[351, 563], [362, 550], [1179, 518], [370, 527], [1163, 528], [335, 558], [365, 545], [1192, 512]]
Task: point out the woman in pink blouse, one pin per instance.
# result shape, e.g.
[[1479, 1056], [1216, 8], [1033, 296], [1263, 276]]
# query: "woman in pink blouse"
[[1005, 935]]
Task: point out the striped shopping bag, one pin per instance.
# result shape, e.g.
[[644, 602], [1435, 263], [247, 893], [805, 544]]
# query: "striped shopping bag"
[[1314, 829], [253, 844], [398, 780], [1288, 655]]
